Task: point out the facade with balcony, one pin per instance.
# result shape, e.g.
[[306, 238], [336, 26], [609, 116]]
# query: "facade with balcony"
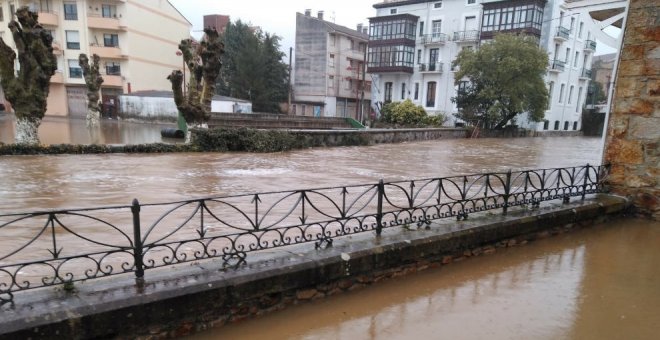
[[329, 75], [443, 28], [136, 41]]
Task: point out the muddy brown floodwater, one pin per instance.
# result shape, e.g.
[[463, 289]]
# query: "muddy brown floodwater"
[[81, 181], [600, 283]]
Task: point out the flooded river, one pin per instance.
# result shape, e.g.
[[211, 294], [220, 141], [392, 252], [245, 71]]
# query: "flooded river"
[[600, 283], [77, 181]]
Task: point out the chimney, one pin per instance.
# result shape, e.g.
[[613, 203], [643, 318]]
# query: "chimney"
[[308, 12], [320, 15], [359, 28], [365, 30]]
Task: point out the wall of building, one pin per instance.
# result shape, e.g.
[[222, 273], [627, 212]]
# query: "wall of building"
[[311, 60], [633, 132]]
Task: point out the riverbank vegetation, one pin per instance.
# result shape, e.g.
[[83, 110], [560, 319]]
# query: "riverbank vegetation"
[[406, 114]]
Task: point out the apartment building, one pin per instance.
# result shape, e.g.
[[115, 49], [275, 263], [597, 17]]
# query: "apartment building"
[[412, 44], [136, 40], [329, 74]]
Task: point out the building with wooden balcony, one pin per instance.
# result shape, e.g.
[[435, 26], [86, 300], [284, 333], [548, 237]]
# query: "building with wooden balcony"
[[137, 42], [412, 44], [329, 75]]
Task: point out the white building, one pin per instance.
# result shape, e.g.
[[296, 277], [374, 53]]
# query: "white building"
[[413, 42]]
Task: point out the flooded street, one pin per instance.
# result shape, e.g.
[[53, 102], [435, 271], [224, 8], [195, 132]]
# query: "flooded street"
[[61, 130], [599, 283], [79, 181]]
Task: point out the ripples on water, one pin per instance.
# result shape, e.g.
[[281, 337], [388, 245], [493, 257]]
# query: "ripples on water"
[[71, 181]]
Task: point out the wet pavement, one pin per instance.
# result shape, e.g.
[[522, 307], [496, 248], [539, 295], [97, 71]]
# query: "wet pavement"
[[598, 283]]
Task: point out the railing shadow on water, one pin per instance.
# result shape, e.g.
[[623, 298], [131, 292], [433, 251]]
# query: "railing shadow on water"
[[48, 248]]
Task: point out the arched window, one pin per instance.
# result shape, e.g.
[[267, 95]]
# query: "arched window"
[[575, 124], [556, 125], [566, 125], [546, 124]]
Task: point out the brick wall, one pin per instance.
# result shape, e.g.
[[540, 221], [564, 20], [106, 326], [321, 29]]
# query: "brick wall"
[[633, 133]]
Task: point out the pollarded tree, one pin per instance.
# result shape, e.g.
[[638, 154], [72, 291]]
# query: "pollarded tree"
[[27, 91], [93, 80], [203, 61], [501, 80]]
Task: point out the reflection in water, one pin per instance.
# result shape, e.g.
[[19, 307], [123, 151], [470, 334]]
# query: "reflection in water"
[[60, 130], [592, 284], [72, 181]]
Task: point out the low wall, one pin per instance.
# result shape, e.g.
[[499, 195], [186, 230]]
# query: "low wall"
[[148, 108], [516, 133], [378, 136], [185, 299]]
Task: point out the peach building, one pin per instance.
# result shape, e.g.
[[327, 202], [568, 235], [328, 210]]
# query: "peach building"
[[136, 40]]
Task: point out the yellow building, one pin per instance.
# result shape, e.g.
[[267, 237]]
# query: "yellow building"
[[136, 40]]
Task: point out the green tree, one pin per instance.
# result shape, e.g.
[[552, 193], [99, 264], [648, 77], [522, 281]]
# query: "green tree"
[[501, 80], [253, 68], [27, 91]]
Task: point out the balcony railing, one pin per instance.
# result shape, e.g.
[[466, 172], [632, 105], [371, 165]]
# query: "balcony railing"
[[466, 36], [586, 73], [434, 38], [590, 45], [430, 67], [562, 33], [105, 23], [45, 248], [557, 65]]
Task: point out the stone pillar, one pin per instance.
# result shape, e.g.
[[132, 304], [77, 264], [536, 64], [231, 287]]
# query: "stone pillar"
[[632, 144]]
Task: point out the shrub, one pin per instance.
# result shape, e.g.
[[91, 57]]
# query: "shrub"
[[407, 114]]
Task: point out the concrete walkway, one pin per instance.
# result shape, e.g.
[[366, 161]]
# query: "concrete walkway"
[[179, 300]]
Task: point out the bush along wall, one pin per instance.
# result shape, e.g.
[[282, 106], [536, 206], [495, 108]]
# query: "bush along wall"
[[57, 149]]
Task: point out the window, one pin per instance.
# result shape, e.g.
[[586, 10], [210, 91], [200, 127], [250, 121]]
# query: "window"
[[303, 108], [70, 11], [109, 11], [416, 91], [575, 61], [421, 28], [556, 125], [391, 56], [2, 14], [74, 69], [113, 68], [497, 17], [579, 99], [575, 125], [561, 92], [331, 81], [45, 6], [293, 111], [546, 124], [349, 84], [566, 124], [110, 40], [393, 11], [388, 28], [331, 60], [437, 5], [430, 94], [72, 40], [580, 29], [12, 11], [570, 94], [436, 28], [551, 87], [388, 92], [572, 24], [403, 91], [471, 2], [567, 58], [419, 56]]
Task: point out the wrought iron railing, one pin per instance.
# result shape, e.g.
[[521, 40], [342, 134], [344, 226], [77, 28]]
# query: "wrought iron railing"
[[590, 45], [430, 67], [557, 65], [562, 33], [472, 35], [48, 248]]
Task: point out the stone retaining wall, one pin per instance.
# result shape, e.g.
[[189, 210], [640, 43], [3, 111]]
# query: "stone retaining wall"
[[178, 302]]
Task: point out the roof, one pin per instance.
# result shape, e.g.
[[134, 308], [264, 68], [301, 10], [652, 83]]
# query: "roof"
[[229, 99], [338, 28]]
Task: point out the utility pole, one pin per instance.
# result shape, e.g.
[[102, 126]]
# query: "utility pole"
[[364, 82], [290, 87]]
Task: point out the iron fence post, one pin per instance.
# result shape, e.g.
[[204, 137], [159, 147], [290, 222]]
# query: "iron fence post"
[[585, 183], [379, 213], [507, 192], [137, 243]]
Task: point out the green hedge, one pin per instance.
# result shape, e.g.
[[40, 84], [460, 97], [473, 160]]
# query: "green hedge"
[[216, 140]]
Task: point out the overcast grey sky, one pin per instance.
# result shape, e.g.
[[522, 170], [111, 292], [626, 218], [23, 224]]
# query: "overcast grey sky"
[[278, 17]]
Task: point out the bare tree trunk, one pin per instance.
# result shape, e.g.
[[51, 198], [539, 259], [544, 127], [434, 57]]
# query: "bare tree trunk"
[[27, 131]]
